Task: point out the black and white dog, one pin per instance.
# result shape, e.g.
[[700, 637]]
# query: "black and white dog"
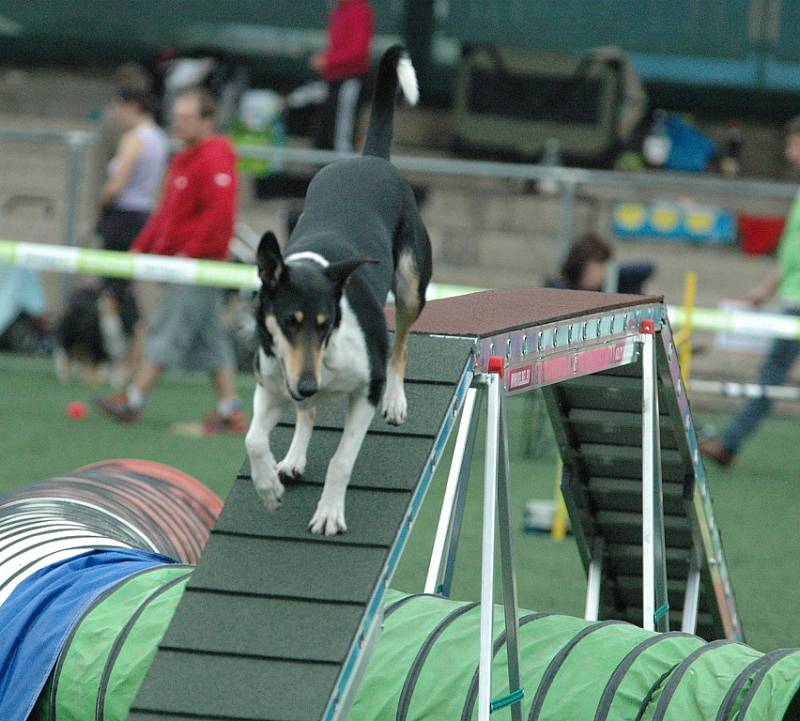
[[320, 319]]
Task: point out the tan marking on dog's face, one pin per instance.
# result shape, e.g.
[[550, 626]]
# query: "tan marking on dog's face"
[[304, 353], [298, 316], [321, 319]]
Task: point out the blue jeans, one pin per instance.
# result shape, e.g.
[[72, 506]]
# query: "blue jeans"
[[776, 366]]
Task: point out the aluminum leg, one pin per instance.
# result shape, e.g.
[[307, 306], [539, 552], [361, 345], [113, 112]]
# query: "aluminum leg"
[[493, 390], [507, 560], [76, 143], [595, 582], [654, 575], [454, 532], [444, 529], [565, 218], [692, 598]]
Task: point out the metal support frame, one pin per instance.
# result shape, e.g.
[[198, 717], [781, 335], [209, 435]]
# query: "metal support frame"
[[496, 517], [448, 530], [691, 599], [594, 583], [495, 489], [510, 604], [566, 215], [655, 604], [76, 144]]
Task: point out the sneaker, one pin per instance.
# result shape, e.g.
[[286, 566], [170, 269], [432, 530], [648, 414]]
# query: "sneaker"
[[713, 448], [118, 408], [215, 423]]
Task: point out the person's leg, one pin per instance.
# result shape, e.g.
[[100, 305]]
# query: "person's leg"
[[215, 351], [774, 370], [224, 379], [325, 119], [346, 112], [168, 336], [146, 377]]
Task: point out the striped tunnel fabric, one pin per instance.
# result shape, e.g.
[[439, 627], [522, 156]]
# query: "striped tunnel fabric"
[[426, 663], [92, 566]]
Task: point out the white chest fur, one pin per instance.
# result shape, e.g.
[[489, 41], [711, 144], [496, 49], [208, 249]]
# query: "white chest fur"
[[345, 362]]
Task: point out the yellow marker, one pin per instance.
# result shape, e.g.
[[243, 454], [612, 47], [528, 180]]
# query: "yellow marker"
[[560, 517], [685, 351]]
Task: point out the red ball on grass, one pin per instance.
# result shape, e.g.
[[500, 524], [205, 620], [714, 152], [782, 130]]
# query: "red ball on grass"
[[77, 410]]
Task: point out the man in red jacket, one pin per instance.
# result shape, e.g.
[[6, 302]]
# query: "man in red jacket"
[[345, 65], [195, 219]]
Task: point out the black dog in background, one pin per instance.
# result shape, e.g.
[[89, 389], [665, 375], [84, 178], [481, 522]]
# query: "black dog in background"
[[95, 333]]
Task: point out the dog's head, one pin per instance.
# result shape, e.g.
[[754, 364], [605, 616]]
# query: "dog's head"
[[298, 308]]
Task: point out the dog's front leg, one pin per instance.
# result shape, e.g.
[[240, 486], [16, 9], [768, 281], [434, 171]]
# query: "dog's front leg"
[[292, 467], [267, 411], [329, 516]]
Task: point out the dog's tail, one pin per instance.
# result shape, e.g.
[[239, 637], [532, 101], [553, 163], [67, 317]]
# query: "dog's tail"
[[395, 69]]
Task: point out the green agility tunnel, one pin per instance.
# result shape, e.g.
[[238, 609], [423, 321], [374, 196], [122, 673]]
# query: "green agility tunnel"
[[111, 648], [425, 668]]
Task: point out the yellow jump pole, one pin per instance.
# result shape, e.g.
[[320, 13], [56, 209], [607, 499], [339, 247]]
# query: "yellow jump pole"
[[559, 530], [685, 350]]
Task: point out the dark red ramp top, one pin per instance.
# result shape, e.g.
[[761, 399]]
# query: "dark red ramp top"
[[492, 312]]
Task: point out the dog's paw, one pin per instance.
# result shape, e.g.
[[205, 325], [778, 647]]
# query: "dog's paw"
[[395, 406], [290, 471], [269, 488], [328, 519]]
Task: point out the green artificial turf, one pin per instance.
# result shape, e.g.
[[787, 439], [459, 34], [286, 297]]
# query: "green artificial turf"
[[756, 501]]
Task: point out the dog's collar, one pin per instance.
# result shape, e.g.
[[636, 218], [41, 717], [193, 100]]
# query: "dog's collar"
[[307, 255]]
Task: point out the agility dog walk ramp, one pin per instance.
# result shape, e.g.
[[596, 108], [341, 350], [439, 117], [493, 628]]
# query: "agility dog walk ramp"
[[277, 624], [276, 621]]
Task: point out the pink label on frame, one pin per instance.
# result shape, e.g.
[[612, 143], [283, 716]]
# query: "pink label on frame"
[[520, 377]]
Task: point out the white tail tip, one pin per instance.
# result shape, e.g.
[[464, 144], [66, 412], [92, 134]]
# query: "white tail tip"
[[407, 77]]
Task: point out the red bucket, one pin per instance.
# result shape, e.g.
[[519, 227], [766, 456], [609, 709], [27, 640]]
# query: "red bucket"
[[760, 234]]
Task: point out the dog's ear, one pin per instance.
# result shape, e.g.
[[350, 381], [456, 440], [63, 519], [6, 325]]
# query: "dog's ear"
[[271, 268], [341, 271]]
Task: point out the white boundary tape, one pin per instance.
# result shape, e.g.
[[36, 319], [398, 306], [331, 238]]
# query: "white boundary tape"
[[168, 269]]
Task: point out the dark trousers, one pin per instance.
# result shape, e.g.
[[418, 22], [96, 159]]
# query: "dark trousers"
[[336, 119], [776, 366], [119, 229]]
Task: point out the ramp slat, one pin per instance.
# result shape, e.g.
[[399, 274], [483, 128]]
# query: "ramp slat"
[[291, 623], [239, 687], [372, 515], [259, 566], [431, 396], [385, 462]]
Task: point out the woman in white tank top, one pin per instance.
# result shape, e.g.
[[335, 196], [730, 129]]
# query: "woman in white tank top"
[[130, 192]]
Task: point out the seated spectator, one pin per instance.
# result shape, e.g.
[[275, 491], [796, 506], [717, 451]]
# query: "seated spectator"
[[589, 266]]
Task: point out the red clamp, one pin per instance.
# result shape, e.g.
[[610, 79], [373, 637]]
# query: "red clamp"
[[648, 327], [497, 364]]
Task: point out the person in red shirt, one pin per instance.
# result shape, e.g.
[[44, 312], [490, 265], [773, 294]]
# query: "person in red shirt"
[[195, 219], [344, 65]]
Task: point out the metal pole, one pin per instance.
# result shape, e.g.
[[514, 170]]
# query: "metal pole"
[[566, 217], [595, 582], [454, 532], [444, 528], [507, 559], [487, 547], [654, 581], [691, 599], [75, 144]]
